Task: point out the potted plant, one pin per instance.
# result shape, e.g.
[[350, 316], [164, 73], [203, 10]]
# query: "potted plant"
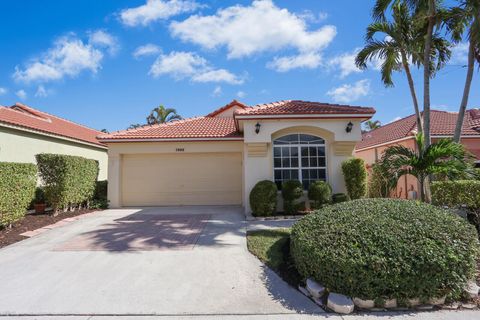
[[39, 202]]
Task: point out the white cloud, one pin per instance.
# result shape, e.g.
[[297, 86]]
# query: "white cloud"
[[21, 94], [68, 57], [459, 54], [182, 65], [247, 30], [241, 94], [217, 92], [3, 91], [306, 61], [104, 39], [154, 10], [41, 92], [350, 92], [309, 16], [146, 50], [345, 63], [394, 119]]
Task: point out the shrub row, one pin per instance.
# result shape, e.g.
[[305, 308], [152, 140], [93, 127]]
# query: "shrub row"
[[69, 181], [17, 188], [355, 175], [456, 193], [386, 248]]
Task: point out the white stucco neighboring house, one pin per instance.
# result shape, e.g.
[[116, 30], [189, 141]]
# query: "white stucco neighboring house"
[[26, 132], [218, 158]]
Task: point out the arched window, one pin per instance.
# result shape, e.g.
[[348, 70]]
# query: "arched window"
[[299, 157]]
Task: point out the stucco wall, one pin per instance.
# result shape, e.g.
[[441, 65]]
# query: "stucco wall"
[[21, 146]]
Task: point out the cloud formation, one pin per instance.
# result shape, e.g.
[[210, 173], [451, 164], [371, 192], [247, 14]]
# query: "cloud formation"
[[350, 92], [22, 94], [148, 49]]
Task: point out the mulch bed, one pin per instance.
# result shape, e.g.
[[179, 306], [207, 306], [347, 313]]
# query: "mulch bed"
[[32, 222]]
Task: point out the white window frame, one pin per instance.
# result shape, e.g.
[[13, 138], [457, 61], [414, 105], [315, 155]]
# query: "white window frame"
[[299, 146]]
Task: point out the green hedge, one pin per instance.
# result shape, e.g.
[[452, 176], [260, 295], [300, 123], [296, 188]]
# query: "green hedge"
[[456, 193], [17, 189], [320, 193], [292, 190], [69, 181], [263, 198], [355, 175], [386, 248]]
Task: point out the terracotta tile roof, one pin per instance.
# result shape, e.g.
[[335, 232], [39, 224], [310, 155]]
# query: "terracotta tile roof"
[[20, 115], [289, 107], [199, 127], [226, 107], [442, 124]]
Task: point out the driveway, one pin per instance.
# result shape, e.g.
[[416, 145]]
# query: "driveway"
[[155, 261]]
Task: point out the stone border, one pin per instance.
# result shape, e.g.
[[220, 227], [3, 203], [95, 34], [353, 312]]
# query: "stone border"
[[273, 218]]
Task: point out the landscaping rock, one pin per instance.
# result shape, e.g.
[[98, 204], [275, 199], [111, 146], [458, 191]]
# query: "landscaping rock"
[[451, 306], [315, 289], [304, 291], [469, 305], [319, 302], [364, 304], [340, 303], [391, 303], [413, 302], [437, 301], [424, 307], [472, 289]]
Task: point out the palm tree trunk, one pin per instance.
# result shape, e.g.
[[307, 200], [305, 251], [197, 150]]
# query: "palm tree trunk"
[[427, 72], [412, 92], [421, 180], [466, 93]]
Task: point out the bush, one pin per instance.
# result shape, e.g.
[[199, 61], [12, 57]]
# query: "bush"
[[386, 248], [355, 176], [292, 190], [17, 188], [456, 193], [380, 183], [320, 193], [69, 181], [339, 197], [263, 198], [100, 199], [39, 196]]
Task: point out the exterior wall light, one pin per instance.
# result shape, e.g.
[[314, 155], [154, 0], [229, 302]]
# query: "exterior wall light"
[[349, 127], [257, 128]]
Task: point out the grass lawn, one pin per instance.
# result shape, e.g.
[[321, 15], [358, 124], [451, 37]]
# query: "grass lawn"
[[272, 247]]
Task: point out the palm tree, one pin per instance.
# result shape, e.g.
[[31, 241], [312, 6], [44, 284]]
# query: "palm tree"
[[444, 157], [162, 115], [372, 125], [466, 17], [134, 126]]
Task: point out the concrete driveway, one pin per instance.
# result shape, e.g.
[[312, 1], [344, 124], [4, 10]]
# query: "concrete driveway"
[[155, 261]]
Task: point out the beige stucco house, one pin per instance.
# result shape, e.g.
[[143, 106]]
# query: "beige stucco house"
[[25, 132], [218, 158]]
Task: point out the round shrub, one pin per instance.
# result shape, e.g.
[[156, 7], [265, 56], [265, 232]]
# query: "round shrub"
[[291, 191], [263, 198], [320, 193], [339, 197], [386, 248]]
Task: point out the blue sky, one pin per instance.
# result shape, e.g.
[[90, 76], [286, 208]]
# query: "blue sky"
[[107, 63]]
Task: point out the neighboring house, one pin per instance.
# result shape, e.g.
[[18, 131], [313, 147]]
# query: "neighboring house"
[[25, 132], [218, 158], [402, 132]]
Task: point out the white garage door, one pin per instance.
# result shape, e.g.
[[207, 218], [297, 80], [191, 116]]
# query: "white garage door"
[[182, 179]]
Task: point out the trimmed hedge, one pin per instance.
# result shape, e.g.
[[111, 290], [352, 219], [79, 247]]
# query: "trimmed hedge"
[[386, 248], [263, 198], [355, 175], [339, 197], [320, 193], [69, 180], [456, 193], [292, 190], [100, 199], [17, 189]]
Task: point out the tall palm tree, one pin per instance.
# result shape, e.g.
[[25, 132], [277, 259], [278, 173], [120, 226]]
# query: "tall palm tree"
[[162, 115], [372, 125], [461, 19], [134, 126], [444, 157]]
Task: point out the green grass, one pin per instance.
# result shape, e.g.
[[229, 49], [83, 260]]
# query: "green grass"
[[272, 247]]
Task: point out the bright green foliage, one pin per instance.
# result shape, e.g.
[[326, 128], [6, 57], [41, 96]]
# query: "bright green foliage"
[[69, 180], [380, 183], [263, 198], [39, 196], [339, 197], [292, 190], [320, 193], [355, 175], [456, 193], [17, 189], [386, 248]]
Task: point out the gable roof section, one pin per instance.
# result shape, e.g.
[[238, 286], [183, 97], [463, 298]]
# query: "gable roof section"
[[298, 108], [442, 124], [23, 117], [232, 104]]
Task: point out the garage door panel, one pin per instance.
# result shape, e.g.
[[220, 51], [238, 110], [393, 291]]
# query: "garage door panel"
[[186, 179]]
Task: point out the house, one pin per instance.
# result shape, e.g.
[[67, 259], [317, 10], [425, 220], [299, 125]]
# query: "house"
[[25, 132], [217, 159], [402, 132]]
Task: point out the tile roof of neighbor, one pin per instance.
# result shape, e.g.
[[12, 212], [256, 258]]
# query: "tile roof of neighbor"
[[20, 115], [442, 124], [212, 127]]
